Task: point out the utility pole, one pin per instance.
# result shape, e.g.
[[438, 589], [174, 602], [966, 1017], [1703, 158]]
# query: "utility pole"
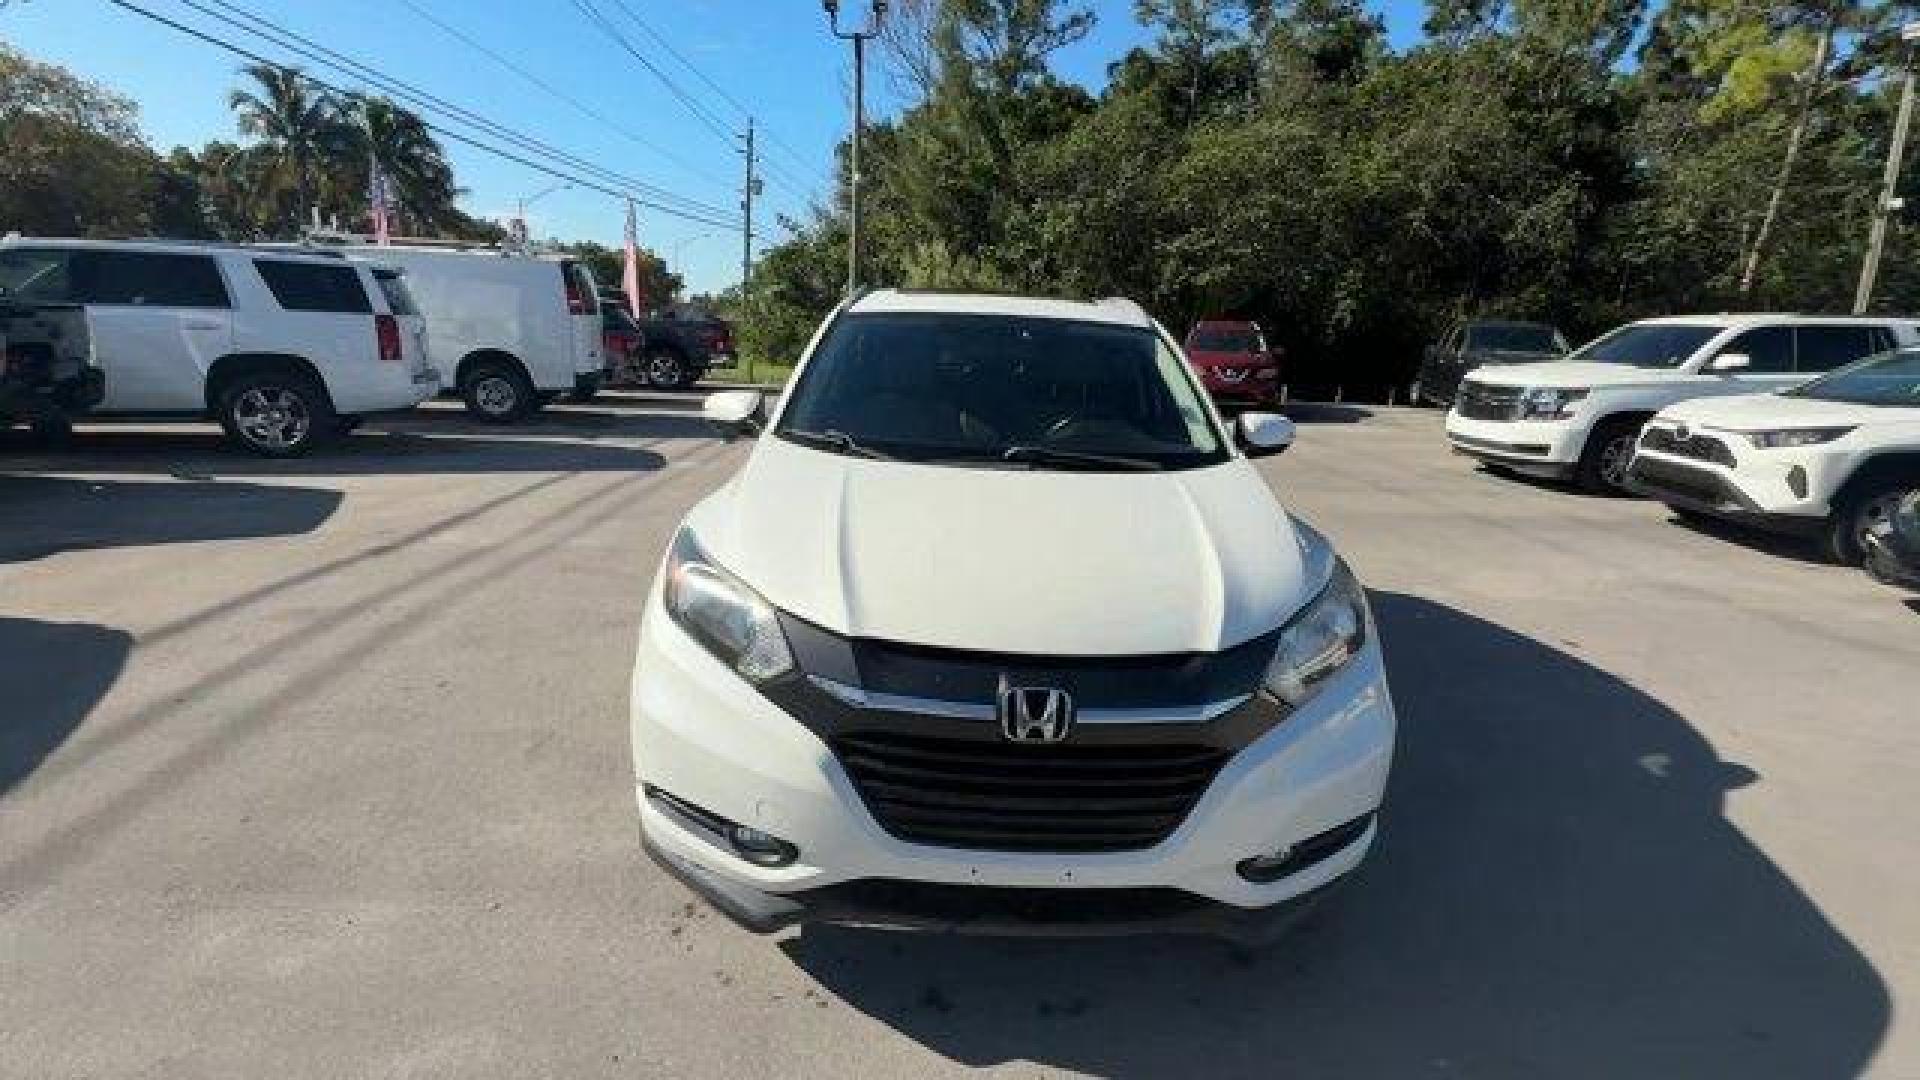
[[859, 37], [751, 188], [1889, 180]]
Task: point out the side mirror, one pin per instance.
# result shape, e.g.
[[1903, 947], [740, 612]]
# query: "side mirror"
[[1261, 434], [1731, 361], [734, 412]]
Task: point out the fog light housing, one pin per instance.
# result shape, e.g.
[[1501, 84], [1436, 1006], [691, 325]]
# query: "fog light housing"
[[1797, 480], [1285, 862], [759, 848]]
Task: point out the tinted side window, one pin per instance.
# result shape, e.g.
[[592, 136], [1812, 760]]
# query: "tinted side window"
[[1769, 348], [1823, 348], [303, 286], [148, 279], [399, 297], [36, 275]]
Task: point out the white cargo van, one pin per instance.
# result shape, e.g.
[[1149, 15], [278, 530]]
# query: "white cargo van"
[[507, 331]]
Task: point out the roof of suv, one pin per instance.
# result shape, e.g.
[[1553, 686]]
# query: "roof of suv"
[[178, 247], [1747, 318], [1115, 311]]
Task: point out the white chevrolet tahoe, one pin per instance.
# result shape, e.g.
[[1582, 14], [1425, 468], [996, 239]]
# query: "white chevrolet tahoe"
[[282, 348], [1832, 459], [1578, 417], [999, 625]]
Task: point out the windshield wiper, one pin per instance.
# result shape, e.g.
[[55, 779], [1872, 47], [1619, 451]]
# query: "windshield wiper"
[[835, 440], [1049, 456]]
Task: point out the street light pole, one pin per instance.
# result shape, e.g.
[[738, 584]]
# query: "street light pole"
[[528, 200], [1890, 179], [859, 37]]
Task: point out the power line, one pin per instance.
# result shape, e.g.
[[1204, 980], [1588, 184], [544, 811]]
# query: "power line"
[[656, 35], [537, 166], [562, 95], [352, 68], [700, 112]]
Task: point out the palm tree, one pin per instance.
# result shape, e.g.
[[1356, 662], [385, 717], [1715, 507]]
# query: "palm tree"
[[297, 129], [398, 141]]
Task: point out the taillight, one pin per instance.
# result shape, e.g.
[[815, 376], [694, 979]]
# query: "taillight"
[[386, 330], [576, 296]]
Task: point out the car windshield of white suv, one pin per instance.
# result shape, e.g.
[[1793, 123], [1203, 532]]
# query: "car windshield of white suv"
[[1891, 379], [1646, 345], [1005, 391]]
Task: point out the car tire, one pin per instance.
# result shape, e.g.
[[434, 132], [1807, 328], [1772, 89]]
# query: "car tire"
[[1602, 469], [666, 370], [1843, 539], [498, 393], [276, 413]]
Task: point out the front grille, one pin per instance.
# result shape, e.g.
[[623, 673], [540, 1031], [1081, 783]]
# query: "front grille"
[[1698, 447], [1478, 401], [989, 794], [1684, 481], [1230, 374]]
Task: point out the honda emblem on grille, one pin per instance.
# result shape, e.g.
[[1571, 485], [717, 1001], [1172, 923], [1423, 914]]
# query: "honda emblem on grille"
[[1034, 714]]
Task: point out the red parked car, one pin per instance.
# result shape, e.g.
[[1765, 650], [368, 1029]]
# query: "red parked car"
[[1233, 360]]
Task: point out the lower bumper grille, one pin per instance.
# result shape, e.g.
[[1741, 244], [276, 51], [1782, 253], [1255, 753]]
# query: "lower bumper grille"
[[1001, 796], [1477, 401], [1688, 484]]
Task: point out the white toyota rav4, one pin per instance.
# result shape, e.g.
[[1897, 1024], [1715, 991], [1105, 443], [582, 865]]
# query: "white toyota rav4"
[[1832, 459], [1578, 418], [998, 627]]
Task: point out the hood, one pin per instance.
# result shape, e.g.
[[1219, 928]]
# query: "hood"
[[1051, 563], [1572, 373], [1758, 412], [1207, 358], [1507, 356]]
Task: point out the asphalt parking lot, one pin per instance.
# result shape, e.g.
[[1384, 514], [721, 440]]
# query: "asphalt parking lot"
[[320, 768]]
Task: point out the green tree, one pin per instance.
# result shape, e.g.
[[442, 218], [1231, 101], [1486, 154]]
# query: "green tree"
[[73, 162], [298, 131]]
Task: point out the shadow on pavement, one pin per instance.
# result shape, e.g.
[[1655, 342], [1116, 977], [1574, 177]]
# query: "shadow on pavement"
[[43, 515], [1797, 548], [432, 446], [1556, 894], [51, 676], [1325, 412]]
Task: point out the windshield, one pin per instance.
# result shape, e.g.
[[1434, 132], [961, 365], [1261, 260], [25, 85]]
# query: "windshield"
[[1513, 337], [1221, 339], [959, 389], [1889, 378], [1646, 345]]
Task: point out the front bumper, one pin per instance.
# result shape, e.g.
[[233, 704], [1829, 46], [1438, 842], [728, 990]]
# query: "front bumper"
[[704, 735], [1549, 448], [1710, 489]]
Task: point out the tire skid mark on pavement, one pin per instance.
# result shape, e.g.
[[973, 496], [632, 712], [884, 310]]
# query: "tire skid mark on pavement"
[[62, 845]]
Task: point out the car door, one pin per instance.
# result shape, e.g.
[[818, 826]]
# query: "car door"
[[326, 316], [1823, 348], [158, 320], [1769, 353]]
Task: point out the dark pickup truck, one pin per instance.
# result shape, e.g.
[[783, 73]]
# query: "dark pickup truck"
[[671, 351], [1482, 341]]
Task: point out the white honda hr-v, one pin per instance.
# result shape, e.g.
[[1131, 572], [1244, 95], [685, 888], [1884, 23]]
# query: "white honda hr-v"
[[998, 628]]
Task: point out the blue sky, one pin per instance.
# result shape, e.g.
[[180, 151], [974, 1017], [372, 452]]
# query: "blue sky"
[[774, 56]]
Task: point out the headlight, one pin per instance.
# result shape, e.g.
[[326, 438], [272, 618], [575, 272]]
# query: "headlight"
[[1320, 640], [723, 614], [1812, 436], [1549, 402]]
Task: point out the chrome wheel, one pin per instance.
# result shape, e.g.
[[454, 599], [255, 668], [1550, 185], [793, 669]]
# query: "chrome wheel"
[[272, 417], [496, 395], [1615, 456]]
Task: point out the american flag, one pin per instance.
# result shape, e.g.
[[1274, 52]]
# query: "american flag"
[[380, 197], [630, 273]]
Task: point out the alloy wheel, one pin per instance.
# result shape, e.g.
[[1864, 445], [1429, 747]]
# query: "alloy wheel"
[[272, 417], [1614, 459], [495, 394]]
